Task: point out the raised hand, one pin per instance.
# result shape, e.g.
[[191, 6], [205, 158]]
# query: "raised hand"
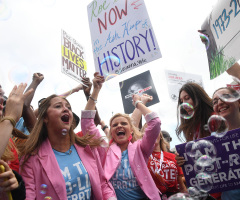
[[38, 77], [146, 98], [14, 104], [135, 98], [87, 90], [98, 81]]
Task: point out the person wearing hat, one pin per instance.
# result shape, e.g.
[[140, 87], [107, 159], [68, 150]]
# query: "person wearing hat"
[[168, 139]]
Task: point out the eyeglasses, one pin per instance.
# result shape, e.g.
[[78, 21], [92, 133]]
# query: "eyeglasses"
[[226, 98]]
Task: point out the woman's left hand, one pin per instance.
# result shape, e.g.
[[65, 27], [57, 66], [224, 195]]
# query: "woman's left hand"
[[135, 98], [8, 180]]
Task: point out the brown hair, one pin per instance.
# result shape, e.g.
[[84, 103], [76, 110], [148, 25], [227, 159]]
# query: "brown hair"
[[39, 133], [136, 134], [202, 109]]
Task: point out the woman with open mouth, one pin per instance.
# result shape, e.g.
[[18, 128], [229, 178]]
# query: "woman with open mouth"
[[125, 162], [56, 163]]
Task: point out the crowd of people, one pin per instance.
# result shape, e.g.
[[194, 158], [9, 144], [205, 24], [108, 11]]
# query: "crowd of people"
[[43, 158]]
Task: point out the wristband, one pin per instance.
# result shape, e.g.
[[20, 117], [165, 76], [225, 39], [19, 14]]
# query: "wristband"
[[136, 102], [95, 101], [104, 127], [13, 122]]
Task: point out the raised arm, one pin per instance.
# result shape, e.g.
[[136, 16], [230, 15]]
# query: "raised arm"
[[234, 71], [88, 115], [153, 127], [137, 114], [28, 114], [87, 92], [13, 112], [97, 85], [75, 89]]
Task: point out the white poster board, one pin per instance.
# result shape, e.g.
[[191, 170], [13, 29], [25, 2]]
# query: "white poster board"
[[122, 35], [73, 63], [222, 27], [176, 80]]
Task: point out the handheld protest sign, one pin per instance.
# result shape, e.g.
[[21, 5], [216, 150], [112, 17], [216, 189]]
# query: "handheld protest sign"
[[122, 36], [221, 34], [212, 163], [139, 84], [73, 58]]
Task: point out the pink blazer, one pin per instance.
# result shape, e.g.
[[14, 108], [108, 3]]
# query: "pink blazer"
[[138, 152], [43, 168]]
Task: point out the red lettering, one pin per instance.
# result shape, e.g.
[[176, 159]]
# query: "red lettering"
[[120, 14]]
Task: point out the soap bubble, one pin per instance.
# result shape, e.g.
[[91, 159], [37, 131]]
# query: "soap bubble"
[[204, 182], [186, 110], [218, 125]]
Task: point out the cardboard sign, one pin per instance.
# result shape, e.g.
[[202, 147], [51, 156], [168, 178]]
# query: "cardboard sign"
[[139, 84], [73, 63], [224, 171], [122, 35], [176, 80], [222, 28]]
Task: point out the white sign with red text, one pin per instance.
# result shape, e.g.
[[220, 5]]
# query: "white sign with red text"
[[176, 80]]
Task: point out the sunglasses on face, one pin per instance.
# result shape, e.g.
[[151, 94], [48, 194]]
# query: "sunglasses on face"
[[40, 101]]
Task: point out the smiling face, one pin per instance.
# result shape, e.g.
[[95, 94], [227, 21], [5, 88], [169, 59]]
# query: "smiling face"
[[185, 98], [227, 110], [121, 130], [59, 115]]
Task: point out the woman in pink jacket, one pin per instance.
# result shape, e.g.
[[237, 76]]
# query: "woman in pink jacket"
[[125, 163], [57, 164]]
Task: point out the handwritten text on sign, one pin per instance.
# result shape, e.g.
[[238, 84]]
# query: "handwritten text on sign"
[[122, 35]]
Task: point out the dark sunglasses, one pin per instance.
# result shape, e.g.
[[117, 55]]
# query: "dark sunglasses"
[[40, 101]]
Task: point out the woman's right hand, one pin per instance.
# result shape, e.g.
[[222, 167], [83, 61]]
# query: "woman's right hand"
[[180, 160], [14, 104], [9, 179], [98, 81]]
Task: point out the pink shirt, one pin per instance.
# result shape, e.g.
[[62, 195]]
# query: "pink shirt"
[[138, 152]]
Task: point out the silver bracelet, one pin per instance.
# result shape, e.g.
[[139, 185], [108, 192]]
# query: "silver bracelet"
[[95, 101], [136, 102]]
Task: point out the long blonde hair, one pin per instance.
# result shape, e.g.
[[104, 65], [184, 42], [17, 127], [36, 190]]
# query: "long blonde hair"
[[39, 133]]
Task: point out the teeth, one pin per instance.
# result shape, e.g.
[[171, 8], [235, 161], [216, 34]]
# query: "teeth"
[[222, 109]]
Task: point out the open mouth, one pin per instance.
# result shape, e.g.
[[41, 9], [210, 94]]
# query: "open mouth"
[[120, 133], [65, 118], [223, 109]]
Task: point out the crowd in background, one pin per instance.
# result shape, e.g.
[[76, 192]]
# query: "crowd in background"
[[43, 158]]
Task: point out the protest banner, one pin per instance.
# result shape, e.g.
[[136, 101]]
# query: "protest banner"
[[223, 172], [122, 35], [139, 84], [234, 86], [176, 80], [73, 63], [222, 31]]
